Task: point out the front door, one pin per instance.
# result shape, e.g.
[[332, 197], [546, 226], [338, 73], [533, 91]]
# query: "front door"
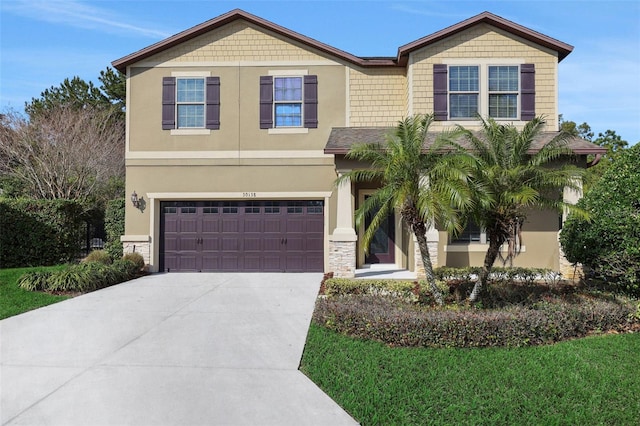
[[382, 247]]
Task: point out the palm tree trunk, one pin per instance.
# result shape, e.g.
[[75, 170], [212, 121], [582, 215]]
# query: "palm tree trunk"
[[489, 259], [428, 267]]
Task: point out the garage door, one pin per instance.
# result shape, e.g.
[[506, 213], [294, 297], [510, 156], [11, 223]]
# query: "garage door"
[[242, 236]]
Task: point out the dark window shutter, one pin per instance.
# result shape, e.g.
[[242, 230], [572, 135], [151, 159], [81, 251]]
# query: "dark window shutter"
[[440, 89], [168, 103], [212, 113], [266, 102], [527, 92], [311, 101]]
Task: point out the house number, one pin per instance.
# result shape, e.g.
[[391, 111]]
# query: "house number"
[[249, 195]]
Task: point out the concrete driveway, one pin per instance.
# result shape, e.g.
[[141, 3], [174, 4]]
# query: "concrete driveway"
[[167, 349]]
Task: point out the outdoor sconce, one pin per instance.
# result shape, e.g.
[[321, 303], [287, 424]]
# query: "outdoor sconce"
[[134, 200]]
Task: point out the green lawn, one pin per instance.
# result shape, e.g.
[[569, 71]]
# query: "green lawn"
[[14, 300], [587, 381]]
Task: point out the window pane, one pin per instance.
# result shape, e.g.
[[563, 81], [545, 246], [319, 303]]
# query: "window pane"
[[503, 79], [463, 79], [463, 106], [470, 234], [190, 115], [288, 89], [288, 115], [503, 106], [190, 90]]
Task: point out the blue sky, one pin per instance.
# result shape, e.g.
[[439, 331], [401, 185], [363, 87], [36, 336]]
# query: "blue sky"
[[43, 42]]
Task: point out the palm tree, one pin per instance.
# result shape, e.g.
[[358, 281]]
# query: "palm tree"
[[518, 176], [426, 185]]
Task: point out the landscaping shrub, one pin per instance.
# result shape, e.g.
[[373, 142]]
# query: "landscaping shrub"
[[395, 322], [136, 258], [609, 244], [100, 256], [114, 227], [82, 278], [34, 281], [39, 232]]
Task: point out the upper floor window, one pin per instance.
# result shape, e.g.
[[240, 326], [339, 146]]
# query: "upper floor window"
[[464, 91], [287, 105], [190, 102], [503, 91], [289, 102], [499, 91]]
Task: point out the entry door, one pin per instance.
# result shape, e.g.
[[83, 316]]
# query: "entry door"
[[382, 247]]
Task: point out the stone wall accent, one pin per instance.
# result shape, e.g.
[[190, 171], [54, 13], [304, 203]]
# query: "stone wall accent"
[[342, 258], [568, 270], [433, 254], [137, 244]]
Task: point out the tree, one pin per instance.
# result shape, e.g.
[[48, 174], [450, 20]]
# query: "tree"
[[63, 152], [615, 145], [78, 93], [609, 244], [427, 186], [517, 178]]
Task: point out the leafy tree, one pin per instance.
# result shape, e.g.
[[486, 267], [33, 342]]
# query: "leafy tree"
[[424, 185], [78, 93], [517, 178], [609, 244], [614, 145], [581, 130]]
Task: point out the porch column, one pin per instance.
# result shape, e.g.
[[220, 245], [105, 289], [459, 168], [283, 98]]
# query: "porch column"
[[570, 196], [342, 242]]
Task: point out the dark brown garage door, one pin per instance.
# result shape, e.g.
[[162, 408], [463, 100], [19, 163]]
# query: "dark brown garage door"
[[247, 236]]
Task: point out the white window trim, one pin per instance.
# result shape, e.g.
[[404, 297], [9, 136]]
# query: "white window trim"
[[190, 131], [287, 129], [483, 65]]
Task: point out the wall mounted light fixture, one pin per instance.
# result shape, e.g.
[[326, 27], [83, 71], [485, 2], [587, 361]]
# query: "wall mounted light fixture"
[[134, 200]]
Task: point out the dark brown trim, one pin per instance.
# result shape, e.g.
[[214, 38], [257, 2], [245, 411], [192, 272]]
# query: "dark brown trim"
[[561, 48]]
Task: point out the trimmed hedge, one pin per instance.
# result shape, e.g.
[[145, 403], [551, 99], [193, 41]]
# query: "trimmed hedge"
[[114, 227], [39, 232], [395, 322]]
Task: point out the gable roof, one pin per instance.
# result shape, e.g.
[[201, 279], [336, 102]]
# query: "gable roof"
[[561, 48], [342, 139]]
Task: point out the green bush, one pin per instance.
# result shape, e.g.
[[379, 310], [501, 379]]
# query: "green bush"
[[609, 244], [100, 256], [85, 277], [114, 227], [34, 281], [395, 322], [136, 258], [39, 232]]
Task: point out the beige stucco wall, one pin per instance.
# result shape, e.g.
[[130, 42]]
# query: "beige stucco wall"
[[485, 44], [539, 240]]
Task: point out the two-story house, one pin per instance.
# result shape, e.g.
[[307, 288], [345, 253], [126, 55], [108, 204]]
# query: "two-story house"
[[237, 129]]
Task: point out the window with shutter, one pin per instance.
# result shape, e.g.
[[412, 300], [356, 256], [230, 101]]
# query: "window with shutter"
[[190, 103], [288, 101], [504, 92]]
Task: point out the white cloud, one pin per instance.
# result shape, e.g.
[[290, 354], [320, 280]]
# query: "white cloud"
[[76, 14]]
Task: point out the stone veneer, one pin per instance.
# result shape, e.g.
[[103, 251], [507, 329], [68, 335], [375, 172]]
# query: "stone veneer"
[[137, 244], [569, 271], [419, 265], [342, 258]]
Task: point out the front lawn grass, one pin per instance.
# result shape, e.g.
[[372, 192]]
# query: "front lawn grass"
[[592, 380], [14, 300]]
